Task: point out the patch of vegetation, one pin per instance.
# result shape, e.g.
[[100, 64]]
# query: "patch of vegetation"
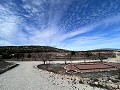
[[5, 66], [56, 68], [98, 85]]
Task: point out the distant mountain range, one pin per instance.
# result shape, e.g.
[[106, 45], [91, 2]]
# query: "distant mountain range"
[[105, 49]]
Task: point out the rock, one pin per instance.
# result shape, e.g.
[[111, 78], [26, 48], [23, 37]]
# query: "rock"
[[96, 83], [100, 83], [114, 86], [108, 86], [88, 81], [84, 81], [100, 79], [115, 80], [109, 81], [81, 82], [104, 84], [119, 86]]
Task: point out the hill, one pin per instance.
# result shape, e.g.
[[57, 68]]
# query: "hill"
[[29, 49]]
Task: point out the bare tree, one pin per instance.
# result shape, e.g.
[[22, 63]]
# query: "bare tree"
[[40, 56], [87, 55], [29, 56], [72, 57], [44, 58], [34, 56], [100, 56], [17, 56], [22, 56], [67, 56], [49, 57]]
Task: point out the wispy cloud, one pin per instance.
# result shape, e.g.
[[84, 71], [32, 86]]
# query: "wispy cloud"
[[8, 24], [17, 29], [94, 42]]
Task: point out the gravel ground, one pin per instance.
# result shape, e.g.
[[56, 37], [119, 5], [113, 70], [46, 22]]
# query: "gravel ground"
[[27, 76]]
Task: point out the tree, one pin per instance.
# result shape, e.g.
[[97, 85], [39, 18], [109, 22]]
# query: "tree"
[[73, 53], [1, 58], [43, 56], [16, 56], [29, 56], [72, 56], [87, 55], [100, 56], [22, 56], [6, 56], [34, 56], [49, 57], [66, 58], [19, 56]]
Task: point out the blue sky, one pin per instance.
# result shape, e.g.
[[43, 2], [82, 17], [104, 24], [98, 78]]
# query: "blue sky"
[[67, 24]]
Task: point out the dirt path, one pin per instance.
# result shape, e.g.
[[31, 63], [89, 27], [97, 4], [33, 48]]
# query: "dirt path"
[[28, 77]]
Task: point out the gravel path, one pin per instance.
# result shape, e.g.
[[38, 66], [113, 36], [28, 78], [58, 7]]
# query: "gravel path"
[[27, 76]]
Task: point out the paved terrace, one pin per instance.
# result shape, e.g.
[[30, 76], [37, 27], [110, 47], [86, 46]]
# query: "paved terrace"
[[93, 67]]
